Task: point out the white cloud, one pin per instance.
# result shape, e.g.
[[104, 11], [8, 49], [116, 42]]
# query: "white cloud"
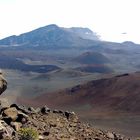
[[107, 17]]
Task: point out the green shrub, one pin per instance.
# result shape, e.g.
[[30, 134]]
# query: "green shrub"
[[28, 134]]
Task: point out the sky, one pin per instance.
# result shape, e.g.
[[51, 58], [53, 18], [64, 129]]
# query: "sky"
[[113, 20]]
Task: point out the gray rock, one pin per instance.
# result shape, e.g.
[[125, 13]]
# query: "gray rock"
[[41, 137], [110, 135], [33, 110], [5, 130], [16, 125], [21, 108], [23, 114], [38, 110], [71, 116], [55, 111], [45, 110], [22, 117], [3, 84]]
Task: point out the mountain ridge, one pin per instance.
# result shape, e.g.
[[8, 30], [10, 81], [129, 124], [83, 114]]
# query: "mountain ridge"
[[50, 36]]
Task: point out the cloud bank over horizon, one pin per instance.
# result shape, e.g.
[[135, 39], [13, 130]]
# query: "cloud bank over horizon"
[[109, 18]]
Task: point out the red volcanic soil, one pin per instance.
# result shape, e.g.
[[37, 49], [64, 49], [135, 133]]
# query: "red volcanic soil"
[[111, 103], [117, 94]]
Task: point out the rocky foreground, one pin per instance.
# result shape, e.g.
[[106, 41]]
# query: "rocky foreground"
[[49, 124]]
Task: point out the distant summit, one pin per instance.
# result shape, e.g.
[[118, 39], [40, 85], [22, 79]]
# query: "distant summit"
[[52, 36], [129, 43], [53, 26]]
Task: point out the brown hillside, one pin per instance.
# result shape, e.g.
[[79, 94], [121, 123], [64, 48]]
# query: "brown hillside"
[[120, 93]]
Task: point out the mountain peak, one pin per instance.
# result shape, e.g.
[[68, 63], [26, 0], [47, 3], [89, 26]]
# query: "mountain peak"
[[53, 26], [128, 43], [51, 36]]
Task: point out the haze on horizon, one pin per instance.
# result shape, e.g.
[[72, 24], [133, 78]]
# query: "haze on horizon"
[[113, 20]]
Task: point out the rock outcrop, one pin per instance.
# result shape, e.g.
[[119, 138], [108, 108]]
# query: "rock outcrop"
[[49, 124], [3, 83]]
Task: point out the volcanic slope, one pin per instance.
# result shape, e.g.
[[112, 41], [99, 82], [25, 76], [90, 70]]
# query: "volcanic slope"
[[117, 94]]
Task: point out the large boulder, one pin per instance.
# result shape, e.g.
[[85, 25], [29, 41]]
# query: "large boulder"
[[11, 113], [3, 83]]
